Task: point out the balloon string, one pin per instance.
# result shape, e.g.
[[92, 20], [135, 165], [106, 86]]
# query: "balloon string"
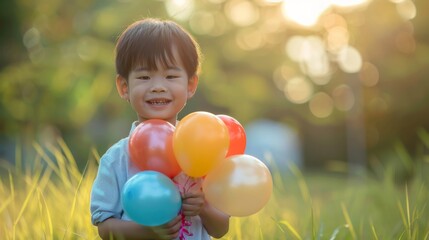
[[184, 232], [183, 229]]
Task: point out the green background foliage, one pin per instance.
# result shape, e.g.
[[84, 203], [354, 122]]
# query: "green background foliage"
[[57, 73]]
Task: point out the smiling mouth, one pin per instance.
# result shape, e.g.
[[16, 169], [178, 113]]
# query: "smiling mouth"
[[158, 101]]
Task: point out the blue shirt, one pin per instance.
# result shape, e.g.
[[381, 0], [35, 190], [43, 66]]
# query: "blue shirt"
[[113, 172]]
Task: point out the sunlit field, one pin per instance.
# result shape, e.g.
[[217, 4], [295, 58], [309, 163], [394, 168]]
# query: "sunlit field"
[[48, 198]]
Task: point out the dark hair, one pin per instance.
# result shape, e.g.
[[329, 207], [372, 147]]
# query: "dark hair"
[[150, 41]]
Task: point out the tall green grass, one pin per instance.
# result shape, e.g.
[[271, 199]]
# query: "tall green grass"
[[48, 198]]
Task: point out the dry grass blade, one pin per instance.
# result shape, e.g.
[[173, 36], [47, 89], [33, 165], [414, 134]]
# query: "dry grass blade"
[[5, 203], [348, 220], [69, 222], [291, 229], [301, 182], [48, 214], [24, 205], [374, 233]]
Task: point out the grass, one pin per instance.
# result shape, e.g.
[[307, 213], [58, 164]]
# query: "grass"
[[47, 197]]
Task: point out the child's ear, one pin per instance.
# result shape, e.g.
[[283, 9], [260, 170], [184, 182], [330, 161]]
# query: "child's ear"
[[122, 87], [192, 85]]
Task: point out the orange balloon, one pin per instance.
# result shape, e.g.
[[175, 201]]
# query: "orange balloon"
[[200, 141], [240, 185]]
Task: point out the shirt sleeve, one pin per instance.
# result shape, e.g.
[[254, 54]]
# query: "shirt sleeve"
[[105, 194]]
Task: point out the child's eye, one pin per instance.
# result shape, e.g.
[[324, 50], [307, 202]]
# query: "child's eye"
[[143, 77], [172, 76]]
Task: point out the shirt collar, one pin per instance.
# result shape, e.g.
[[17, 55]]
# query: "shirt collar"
[[133, 126]]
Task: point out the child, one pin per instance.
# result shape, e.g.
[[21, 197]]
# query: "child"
[[157, 64]]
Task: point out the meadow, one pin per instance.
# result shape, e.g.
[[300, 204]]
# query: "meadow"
[[47, 197]]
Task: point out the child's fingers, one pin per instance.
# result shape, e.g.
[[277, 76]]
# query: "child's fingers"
[[191, 206], [169, 230], [193, 194], [193, 200]]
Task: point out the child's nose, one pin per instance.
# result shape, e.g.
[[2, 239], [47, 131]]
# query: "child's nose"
[[158, 86]]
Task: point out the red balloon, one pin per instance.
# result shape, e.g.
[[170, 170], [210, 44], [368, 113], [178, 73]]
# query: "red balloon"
[[151, 147], [237, 135]]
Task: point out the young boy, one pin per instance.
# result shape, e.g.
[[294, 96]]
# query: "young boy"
[[157, 64]]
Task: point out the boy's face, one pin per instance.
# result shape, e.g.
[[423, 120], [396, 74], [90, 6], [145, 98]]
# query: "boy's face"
[[160, 93]]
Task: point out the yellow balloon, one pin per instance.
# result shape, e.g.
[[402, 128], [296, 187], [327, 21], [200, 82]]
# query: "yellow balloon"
[[240, 185], [200, 141]]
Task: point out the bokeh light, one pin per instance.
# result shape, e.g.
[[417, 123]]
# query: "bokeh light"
[[298, 90], [325, 57], [31, 38], [349, 59], [404, 40], [343, 97], [242, 13], [347, 3], [249, 39], [369, 74], [282, 74], [202, 22], [304, 12], [87, 48], [337, 38], [321, 105], [308, 12], [406, 9], [310, 53]]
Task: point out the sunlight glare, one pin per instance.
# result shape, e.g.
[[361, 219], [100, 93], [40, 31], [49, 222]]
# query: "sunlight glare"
[[272, 1], [179, 9], [216, 1], [307, 12], [348, 3], [304, 12], [397, 1]]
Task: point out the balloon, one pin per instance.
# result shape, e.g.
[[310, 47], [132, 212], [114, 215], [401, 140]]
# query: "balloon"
[[240, 186], [200, 141], [151, 147], [150, 198], [237, 135]]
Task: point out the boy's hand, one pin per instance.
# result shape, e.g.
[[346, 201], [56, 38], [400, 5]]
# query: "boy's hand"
[[169, 230], [192, 203]]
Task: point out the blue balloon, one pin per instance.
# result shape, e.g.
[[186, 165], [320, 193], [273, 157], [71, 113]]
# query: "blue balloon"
[[150, 198]]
